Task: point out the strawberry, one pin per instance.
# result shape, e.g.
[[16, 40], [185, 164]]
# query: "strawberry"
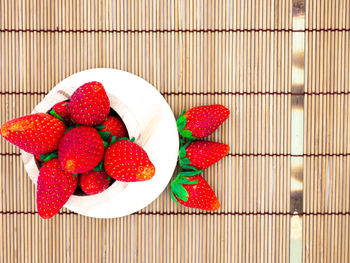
[[199, 122], [80, 149], [114, 126], [201, 154], [60, 111], [94, 182], [126, 161], [37, 133], [89, 104], [194, 192], [55, 186]]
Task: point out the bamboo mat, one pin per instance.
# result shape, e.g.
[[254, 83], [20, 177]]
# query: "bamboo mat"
[[236, 53]]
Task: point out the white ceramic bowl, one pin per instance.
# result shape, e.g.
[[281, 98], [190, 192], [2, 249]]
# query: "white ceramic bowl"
[[147, 117]]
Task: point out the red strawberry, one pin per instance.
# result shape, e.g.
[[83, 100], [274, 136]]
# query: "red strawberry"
[[199, 122], [55, 186], [89, 104], [194, 192], [128, 162], [60, 110], [80, 150], [115, 127], [37, 133], [94, 182], [202, 154]]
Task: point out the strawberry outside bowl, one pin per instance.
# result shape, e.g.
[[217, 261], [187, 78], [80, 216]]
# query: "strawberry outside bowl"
[[147, 117]]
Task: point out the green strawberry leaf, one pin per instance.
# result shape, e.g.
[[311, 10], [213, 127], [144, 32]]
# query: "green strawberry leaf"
[[113, 140], [186, 133], [178, 190], [181, 123], [190, 173], [105, 144], [184, 180], [75, 174], [185, 161], [53, 113], [99, 167], [182, 152], [49, 156], [188, 167], [99, 127], [104, 135], [174, 198]]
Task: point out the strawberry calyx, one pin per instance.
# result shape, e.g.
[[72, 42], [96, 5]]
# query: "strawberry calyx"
[[99, 127], [114, 139], [181, 123], [185, 162], [99, 167], [49, 156], [178, 191], [104, 135]]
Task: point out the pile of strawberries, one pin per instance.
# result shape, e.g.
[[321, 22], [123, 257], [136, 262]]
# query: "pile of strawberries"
[[78, 142], [189, 188], [82, 144]]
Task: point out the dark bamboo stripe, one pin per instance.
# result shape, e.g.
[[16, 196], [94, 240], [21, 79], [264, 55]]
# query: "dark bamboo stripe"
[[178, 93], [201, 213], [10, 154], [254, 93], [255, 154], [57, 30], [288, 154], [23, 93]]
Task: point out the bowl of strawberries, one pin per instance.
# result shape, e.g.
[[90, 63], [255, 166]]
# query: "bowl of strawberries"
[[102, 143]]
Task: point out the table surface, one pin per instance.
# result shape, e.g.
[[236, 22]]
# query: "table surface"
[[236, 53]]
